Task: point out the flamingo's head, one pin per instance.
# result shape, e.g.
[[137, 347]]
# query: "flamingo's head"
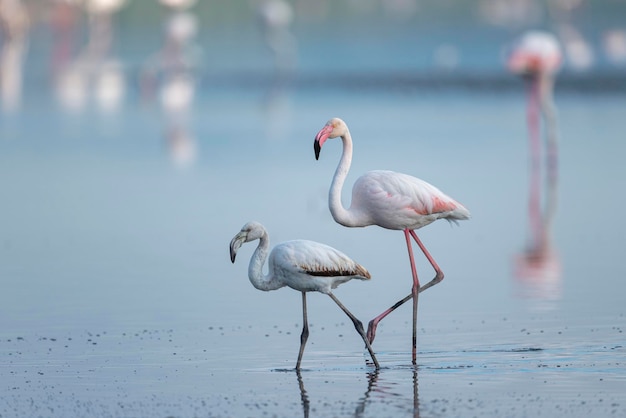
[[334, 128], [249, 232]]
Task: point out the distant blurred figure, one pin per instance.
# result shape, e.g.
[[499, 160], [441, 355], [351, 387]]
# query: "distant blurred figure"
[[169, 73], [63, 17], [578, 51], [614, 43], [182, 145], [95, 71], [510, 13], [169, 76], [400, 9], [178, 4], [537, 57], [14, 27], [275, 18]]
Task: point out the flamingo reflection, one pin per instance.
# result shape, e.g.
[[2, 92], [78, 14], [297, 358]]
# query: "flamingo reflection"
[[537, 57], [373, 387], [304, 397]]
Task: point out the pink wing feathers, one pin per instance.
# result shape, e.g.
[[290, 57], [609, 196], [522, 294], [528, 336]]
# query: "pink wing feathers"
[[397, 201]]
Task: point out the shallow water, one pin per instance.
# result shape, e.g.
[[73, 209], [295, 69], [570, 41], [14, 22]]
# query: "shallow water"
[[120, 300]]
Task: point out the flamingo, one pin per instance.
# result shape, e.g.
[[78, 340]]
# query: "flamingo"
[[302, 265], [537, 57], [390, 200]]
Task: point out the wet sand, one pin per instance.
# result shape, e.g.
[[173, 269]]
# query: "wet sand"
[[487, 367]]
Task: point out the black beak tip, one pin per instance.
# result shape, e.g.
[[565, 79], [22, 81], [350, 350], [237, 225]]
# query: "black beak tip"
[[317, 148]]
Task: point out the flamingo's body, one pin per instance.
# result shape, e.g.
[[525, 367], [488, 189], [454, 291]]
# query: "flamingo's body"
[[536, 52], [398, 201], [390, 200], [302, 265]]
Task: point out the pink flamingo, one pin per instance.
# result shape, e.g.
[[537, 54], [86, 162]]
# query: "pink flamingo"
[[302, 265], [537, 57], [392, 201]]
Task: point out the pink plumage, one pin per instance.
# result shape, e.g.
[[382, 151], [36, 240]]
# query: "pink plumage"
[[390, 200], [399, 201]]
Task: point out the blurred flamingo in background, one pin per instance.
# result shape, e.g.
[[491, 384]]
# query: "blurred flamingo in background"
[[96, 71], [14, 30], [302, 265], [170, 75], [537, 57], [275, 18], [390, 200]]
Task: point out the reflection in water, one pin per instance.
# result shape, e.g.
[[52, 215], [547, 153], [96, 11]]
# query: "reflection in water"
[[277, 111], [306, 404], [372, 379], [14, 26], [537, 58], [373, 387]]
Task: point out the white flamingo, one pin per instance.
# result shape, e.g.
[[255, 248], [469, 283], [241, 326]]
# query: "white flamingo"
[[390, 200], [302, 265]]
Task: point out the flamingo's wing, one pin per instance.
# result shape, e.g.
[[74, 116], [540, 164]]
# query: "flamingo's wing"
[[389, 195], [316, 259]]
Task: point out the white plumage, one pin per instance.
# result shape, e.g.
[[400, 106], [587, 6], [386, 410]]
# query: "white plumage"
[[534, 53], [310, 266], [302, 265]]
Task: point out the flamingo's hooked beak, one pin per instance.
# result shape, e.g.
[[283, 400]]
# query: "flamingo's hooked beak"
[[235, 244], [320, 138]]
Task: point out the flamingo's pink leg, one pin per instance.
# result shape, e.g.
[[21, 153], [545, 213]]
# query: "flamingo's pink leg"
[[371, 327], [373, 324], [438, 273], [534, 138], [414, 292]]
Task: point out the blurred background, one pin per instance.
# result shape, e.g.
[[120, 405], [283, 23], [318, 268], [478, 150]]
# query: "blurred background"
[[121, 49]]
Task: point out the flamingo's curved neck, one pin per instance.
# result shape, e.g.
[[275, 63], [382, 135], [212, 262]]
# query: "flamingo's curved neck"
[[255, 269], [340, 214]]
